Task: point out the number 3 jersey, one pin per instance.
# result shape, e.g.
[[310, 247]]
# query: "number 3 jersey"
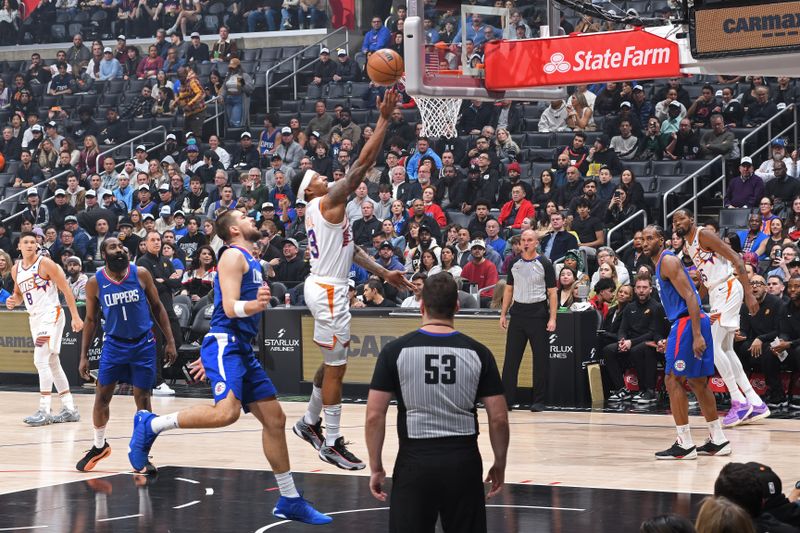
[[124, 305], [437, 380], [331, 245]]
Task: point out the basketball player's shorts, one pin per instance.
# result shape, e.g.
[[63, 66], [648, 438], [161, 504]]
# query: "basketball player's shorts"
[[680, 359], [231, 365], [436, 479], [128, 361], [326, 298], [726, 299], [49, 324]]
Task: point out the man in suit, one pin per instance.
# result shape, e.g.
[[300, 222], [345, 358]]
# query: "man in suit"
[[555, 244]]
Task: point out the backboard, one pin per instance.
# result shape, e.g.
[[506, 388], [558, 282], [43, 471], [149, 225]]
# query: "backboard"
[[453, 68]]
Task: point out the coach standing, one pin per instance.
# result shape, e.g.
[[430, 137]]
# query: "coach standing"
[[437, 375], [531, 300]]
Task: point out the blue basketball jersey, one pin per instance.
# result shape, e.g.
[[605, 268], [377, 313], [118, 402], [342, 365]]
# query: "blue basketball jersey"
[[124, 305], [246, 328], [673, 302]]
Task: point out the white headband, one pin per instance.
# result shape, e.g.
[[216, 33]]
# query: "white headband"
[[301, 192]]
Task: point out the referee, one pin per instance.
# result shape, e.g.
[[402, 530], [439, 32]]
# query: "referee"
[[531, 300], [437, 375]]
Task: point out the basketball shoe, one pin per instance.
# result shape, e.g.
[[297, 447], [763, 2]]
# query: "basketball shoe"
[[677, 452], [759, 412], [340, 456], [300, 510], [39, 418], [311, 433], [709, 448], [737, 414], [92, 457], [67, 415], [141, 441]]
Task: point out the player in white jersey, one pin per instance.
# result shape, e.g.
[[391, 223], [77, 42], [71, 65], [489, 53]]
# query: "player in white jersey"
[[723, 275], [37, 281], [330, 243]]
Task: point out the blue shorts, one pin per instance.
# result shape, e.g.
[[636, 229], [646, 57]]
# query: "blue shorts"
[[230, 364], [126, 362], [680, 359]]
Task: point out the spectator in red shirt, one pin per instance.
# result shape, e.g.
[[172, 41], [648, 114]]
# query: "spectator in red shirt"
[[480, 271], [517, 209]]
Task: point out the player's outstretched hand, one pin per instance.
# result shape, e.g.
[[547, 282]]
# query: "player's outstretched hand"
[[197, 370], [698, 346], [77, 324], [376, 484], [83, 369], [12, 302], [387, 104], [496, 476], [398, 279]]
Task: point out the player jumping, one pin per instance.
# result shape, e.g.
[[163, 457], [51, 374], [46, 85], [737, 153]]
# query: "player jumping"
[[238, 380], [689, 358], [37, 281], [332, 251], [126, 295], [722, 273]]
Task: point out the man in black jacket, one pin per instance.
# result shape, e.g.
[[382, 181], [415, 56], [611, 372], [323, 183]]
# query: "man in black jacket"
[[115, 131], [291, 268], [470, 190], [166, 281], [398, 128], [246, 155], [346, 69], [60, 209], [556, 244], [367, 226], [28, 173], [324, 70], [642, 326], [789, 335], [10, 146], [755, 335], [196, 52]]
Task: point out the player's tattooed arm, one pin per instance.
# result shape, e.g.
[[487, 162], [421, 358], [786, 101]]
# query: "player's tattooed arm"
[[393, 277]]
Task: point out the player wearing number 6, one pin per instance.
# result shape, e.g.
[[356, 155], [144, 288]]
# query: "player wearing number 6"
[[37, 281], [330, 242], [126, 295]]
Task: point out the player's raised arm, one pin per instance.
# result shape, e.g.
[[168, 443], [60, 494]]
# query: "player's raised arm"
[[231, 268], [672, 268], [159, 312], [711, 241], [341, 190], [89, 327], [53, 272]]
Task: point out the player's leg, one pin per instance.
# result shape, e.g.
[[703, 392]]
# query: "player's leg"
[[678, 356], [41, 360], [716, 444], [100, 415], [309, 427], [68, 411], [759, 407]]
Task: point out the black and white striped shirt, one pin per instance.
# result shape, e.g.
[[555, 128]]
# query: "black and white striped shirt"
[[437, 379], [531, 279]]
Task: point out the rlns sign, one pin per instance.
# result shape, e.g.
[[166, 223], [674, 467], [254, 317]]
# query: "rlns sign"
[[576, 59]]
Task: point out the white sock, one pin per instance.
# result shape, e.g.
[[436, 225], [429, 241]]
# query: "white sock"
[[333, 418], [99, 437], [66, 400], [685, 437], [314, 406], [715, 430], [44, 402], [164, 423], [286, 485]]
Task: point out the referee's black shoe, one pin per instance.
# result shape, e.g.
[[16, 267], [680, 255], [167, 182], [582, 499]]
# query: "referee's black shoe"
[[537, 408], [340, 456], [677, 452]]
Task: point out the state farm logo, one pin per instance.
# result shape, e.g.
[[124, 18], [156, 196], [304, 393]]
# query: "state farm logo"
[[557, 64]]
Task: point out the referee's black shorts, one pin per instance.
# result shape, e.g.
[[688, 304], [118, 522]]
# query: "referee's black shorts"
[[433, 481]]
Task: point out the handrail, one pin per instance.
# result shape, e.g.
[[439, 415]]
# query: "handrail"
[[768, 125], [693, 176], [293, 59], [703, 190], [98, 163], [25, 191], [623, 223], [217, 113]]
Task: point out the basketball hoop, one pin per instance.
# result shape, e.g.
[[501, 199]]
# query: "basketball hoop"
[[439, 115]]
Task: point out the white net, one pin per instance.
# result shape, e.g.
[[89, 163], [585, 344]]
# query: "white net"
[[439, 116]]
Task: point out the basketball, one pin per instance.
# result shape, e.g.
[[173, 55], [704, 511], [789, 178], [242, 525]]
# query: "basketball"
[[385, 67]]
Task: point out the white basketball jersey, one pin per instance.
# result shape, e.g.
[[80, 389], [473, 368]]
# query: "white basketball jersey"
[[330, 245], [713, 268], [40, 295]]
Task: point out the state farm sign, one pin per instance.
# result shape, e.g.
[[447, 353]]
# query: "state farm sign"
[[577, 59]]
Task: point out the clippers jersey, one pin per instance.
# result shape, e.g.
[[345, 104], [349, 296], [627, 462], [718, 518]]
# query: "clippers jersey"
[[713, 268], [674, 305], [124, 305], [331, 245], [246, 328], [40, 295]]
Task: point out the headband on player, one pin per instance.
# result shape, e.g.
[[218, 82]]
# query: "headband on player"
[[301, 192]]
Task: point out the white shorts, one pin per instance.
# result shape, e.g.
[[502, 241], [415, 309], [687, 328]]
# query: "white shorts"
[[726, 299], [50, 324], [326, 298]]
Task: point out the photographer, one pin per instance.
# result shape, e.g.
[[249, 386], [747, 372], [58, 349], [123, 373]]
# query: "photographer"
[[619, 210]]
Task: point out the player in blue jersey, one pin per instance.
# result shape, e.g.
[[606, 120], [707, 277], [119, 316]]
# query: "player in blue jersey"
[[237, 378], [126, 296], [689, 351]]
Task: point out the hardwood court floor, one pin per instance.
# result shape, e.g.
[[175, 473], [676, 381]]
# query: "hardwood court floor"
[[562, 449]]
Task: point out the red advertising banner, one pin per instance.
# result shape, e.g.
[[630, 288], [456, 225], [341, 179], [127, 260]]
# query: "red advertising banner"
[[579, 58]]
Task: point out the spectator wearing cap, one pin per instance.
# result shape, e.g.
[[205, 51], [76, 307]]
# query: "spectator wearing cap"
[[277, 165], [641, 106], [324, 70], [291, 268], [145, 197], [347, 70], [517, 208], [124, 190], [290, 150], [91, 201], [193, 160], [322, 122], [60, 209], [236, 90], [81, 239], [77, 280], [34, 211], [426, 241], [165, 221], [28, 173], [113, 204], [746, 189], [51, 133], [514, 172], [387, 259], [191, 99], [480, 272], [246, 155], [140, 162], [778, 153], [110, 67], [167, 198], [670, 113]]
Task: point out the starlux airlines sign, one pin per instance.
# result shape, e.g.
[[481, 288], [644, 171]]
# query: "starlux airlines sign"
[[728, 29], [578, 59]]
